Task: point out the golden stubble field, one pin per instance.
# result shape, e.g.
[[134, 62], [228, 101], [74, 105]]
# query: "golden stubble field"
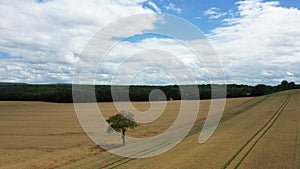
[[262, 132]]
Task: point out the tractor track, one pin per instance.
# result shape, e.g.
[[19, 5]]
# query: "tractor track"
[[195, 129], [236, 160]]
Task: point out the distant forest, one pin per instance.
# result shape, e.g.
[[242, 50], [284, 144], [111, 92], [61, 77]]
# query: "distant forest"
[[62, 93]]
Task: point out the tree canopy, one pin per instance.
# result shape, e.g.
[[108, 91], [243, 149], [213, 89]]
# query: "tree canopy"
[[62, 93], [121, 122]]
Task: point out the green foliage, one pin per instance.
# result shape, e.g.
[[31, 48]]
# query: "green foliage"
[[62, 93], [122, 121]]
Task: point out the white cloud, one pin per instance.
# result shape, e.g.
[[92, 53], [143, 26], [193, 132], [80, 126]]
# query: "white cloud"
[[158, 60], [197, 17], [50, 34], [290, 73], [172, 7], [260, 45], [214, 13], [154, 6]]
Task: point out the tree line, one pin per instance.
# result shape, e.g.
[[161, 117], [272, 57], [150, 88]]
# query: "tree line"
[[62, 93]]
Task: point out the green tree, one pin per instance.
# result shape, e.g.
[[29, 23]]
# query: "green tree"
[[285, 85], [121, 122]]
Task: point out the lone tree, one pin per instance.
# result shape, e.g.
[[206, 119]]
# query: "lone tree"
[[121, 122]]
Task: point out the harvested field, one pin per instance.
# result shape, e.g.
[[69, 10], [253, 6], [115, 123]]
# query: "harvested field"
[[261, 132]]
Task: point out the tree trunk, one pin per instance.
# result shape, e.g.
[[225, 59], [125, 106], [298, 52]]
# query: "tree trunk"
[[123, 136]]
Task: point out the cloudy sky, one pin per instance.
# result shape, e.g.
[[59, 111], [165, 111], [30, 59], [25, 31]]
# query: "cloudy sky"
[[256, 41]]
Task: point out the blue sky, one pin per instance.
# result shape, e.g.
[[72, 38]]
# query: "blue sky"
[[257, 41], [192, 10]]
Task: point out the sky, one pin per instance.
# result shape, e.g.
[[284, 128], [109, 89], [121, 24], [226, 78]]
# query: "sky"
[[255, 41]]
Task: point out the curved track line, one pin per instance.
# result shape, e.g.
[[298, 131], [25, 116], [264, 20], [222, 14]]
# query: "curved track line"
[[196, 128], [236, 160]]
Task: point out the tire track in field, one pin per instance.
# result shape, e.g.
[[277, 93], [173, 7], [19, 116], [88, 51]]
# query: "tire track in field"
[[236, 160], [196, 129], [297, 143]]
